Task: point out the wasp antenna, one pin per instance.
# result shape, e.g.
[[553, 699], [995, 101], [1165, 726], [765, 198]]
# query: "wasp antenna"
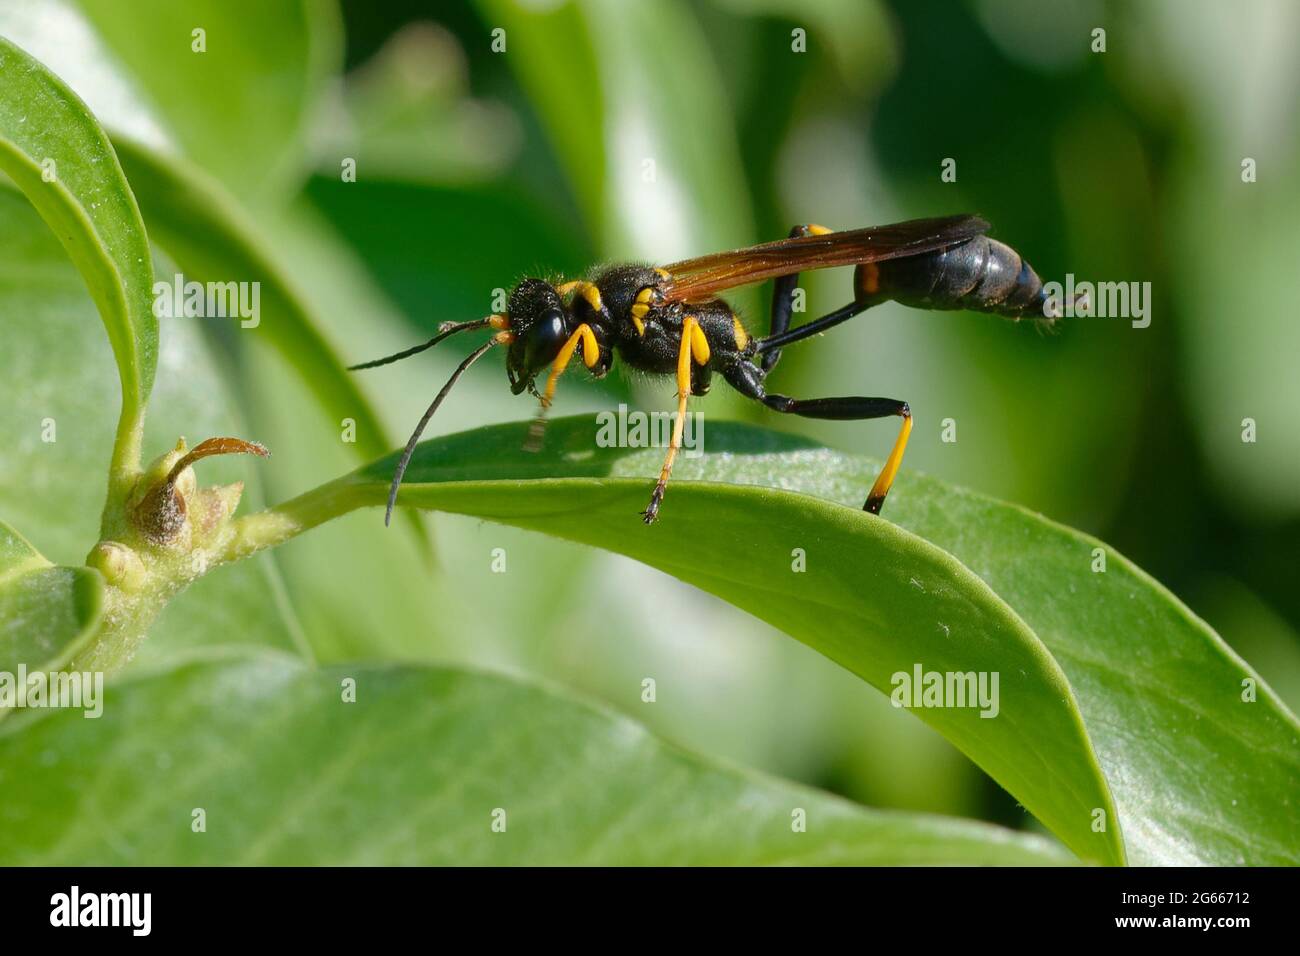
[[444, 330], [405, 460]]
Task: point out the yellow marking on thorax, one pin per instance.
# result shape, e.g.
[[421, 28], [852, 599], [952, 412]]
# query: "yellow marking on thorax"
[[641, 307], [738, 329]]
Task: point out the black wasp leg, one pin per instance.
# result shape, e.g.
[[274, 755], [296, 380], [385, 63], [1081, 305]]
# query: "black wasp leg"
[[748, 380], [772, 344], [783, 297]]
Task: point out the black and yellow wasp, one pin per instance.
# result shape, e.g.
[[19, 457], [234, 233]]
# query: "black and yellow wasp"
[[670, 320]]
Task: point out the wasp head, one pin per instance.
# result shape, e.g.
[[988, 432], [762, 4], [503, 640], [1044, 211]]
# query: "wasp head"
[[540, 326]]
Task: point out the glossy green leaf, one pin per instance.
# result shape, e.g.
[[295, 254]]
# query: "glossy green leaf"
[[46, 612], [56, 153], [1202, 757], [874, 598], [415, 771], [1199, 773]]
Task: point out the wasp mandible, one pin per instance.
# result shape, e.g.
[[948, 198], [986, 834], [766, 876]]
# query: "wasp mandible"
[[670, 321]]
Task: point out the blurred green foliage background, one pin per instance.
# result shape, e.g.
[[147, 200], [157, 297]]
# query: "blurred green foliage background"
[[477, 166]]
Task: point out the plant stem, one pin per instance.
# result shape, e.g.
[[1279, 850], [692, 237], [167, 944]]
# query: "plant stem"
[[127, 444], [274, 526], [124, 466]]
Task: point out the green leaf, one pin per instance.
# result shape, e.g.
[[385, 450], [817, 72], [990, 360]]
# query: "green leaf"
[[1198, 774], [46, 612], [874, 598], [239, 106], [412, 773], [54, 439], [56, 153]]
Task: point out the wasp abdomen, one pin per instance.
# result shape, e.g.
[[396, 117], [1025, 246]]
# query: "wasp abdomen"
[[980, 274]]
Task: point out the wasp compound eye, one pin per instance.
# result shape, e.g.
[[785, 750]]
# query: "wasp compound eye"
[[543, 341]]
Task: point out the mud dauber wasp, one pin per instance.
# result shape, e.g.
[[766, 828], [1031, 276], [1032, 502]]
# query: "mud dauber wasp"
[[670, 321]]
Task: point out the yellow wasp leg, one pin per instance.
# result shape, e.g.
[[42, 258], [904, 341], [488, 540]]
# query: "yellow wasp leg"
[[585, 289], [699, 346], [590, 356], [693, 345], [887, 474]]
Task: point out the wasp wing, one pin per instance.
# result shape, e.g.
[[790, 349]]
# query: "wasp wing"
[[694, 279]]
